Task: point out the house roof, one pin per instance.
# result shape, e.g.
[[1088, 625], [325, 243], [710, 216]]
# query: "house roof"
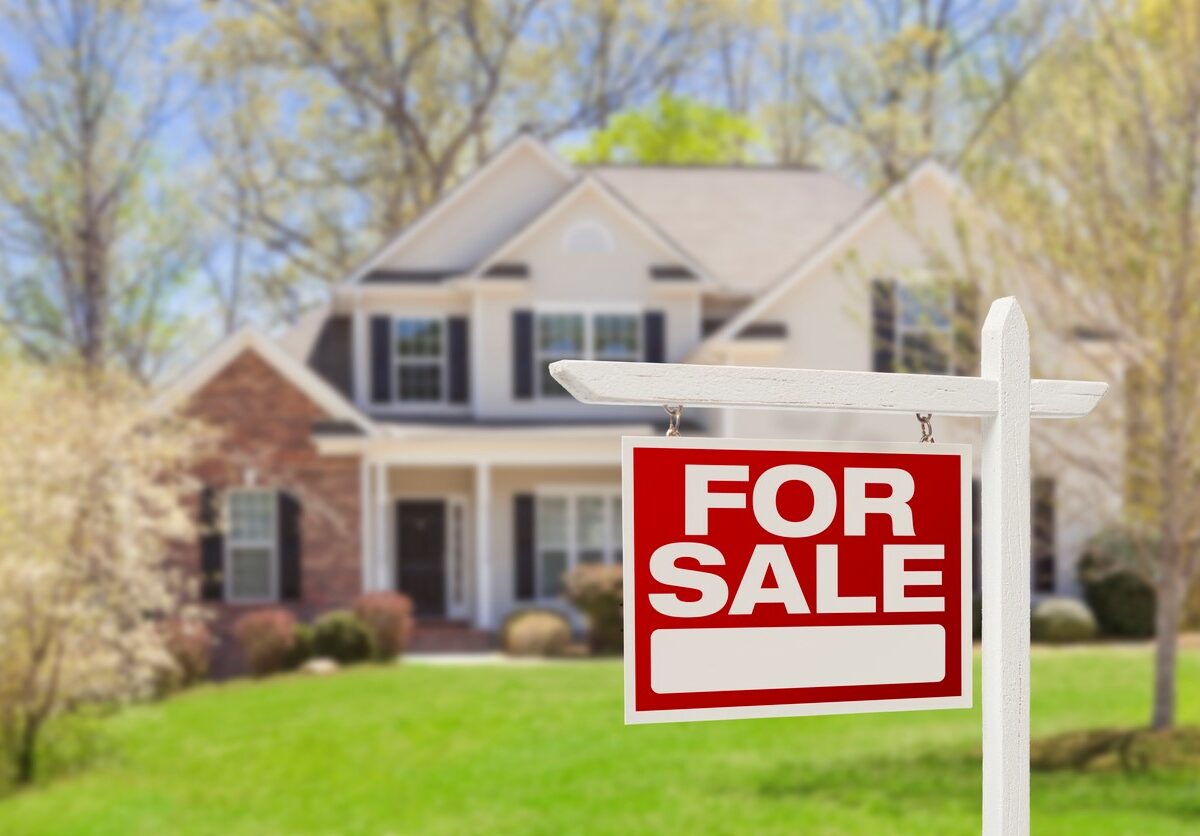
[[746, 225]]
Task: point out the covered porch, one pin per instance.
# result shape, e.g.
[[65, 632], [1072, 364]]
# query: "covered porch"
[[473, 523]]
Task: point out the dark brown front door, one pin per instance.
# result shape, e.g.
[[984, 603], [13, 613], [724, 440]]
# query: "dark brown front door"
[[421, 547]]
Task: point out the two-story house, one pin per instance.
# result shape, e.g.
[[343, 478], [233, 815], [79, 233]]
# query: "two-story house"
[[408, 436]]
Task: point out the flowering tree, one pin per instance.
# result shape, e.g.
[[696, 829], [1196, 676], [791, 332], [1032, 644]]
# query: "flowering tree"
[[92, 490]]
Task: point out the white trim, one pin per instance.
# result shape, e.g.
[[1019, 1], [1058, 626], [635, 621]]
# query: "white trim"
[[589, 183], [271, 544], [466, 187], [483, 545], [962, 700], [307, 381], [837, 241]]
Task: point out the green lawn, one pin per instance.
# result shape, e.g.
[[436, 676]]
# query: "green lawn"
[[541, 749]]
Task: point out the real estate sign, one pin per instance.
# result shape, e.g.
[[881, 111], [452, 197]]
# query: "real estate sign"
[[779, 578]]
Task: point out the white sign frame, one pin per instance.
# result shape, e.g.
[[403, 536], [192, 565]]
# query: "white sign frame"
[[744, 712], [1005, 398]]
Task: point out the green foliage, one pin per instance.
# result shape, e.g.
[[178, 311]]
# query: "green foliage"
[[1108, 750], [1062, 621], [536, 632], [1122, 601], [302, 647], [673, 130], [389, 617], [596, 591], [341, 636], [267, 638], [190, 644]]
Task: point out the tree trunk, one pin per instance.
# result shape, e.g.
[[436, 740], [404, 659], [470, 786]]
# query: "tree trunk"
[[25, 756], [1166, 645]]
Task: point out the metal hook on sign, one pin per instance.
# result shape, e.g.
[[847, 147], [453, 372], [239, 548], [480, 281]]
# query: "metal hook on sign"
[[676, 412], [926, 427]]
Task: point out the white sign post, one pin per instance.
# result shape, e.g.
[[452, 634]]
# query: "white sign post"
[[1005, 398]]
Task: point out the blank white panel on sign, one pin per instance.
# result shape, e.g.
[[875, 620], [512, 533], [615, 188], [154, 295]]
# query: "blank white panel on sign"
[[759, 658]]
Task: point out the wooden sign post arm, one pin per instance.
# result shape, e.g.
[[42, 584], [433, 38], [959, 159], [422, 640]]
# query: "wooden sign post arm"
[[1005, 476]]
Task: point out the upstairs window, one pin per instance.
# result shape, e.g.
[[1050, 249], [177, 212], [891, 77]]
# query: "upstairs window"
[[924, 329], [420, 359], [251, 547], [578, 336]]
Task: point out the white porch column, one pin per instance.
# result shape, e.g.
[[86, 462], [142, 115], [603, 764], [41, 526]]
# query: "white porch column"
[[483, 541], [382, 576]]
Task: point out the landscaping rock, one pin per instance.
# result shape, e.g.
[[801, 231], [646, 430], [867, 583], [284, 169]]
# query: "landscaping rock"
[[320, 666]]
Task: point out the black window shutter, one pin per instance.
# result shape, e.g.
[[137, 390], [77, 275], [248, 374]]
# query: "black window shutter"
[[381, 359], [523, 545], [654, 332], [522, 336], [460, 379], [883, 324], [212, 546], [966, 328], [289, 547]]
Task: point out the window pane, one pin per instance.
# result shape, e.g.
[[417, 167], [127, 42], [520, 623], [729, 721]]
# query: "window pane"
[[252, 517], [250, 573], [560, 335], [552, 522], [617, 527], [550, 573], [922, 307], [420, 382], [590, 524], [615, 337], [419, 337]]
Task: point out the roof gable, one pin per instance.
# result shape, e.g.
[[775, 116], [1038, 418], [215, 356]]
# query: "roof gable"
[[485, 209], [215, 361]]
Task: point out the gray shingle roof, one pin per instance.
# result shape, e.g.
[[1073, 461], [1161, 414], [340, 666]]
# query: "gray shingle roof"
[[746, 225]]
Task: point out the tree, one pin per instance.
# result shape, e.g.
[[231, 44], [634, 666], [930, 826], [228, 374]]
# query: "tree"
[[93, 231], [893, 81], [93, 490], [1093, 170], [673, 130], [342, 121]]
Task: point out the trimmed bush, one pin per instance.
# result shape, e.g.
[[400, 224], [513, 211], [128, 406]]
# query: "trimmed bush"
[[1123, 602], [339, 635], [266, 638], [536, 632], [1061, 621], [190, 645], [302, 648], [389, 617], [596, 591]]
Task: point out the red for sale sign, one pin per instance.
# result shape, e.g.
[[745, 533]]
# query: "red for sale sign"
[[774, 578]]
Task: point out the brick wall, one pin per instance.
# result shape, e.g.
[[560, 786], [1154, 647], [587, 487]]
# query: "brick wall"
[[266, 425]]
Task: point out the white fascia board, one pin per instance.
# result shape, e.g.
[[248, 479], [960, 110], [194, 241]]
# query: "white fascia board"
[[307, 381]]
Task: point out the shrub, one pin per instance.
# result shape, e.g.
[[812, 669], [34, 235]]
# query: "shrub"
[[339, 635], [596, 591], [1122, 601], [190, 645], [302, 648], [389, 617], [536, 632], [266, 638], [1062, 620]]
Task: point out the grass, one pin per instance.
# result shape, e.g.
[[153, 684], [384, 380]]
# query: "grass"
[[541, 749]]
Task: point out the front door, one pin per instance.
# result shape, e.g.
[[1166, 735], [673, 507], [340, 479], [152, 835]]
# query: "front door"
[[421, 549]]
